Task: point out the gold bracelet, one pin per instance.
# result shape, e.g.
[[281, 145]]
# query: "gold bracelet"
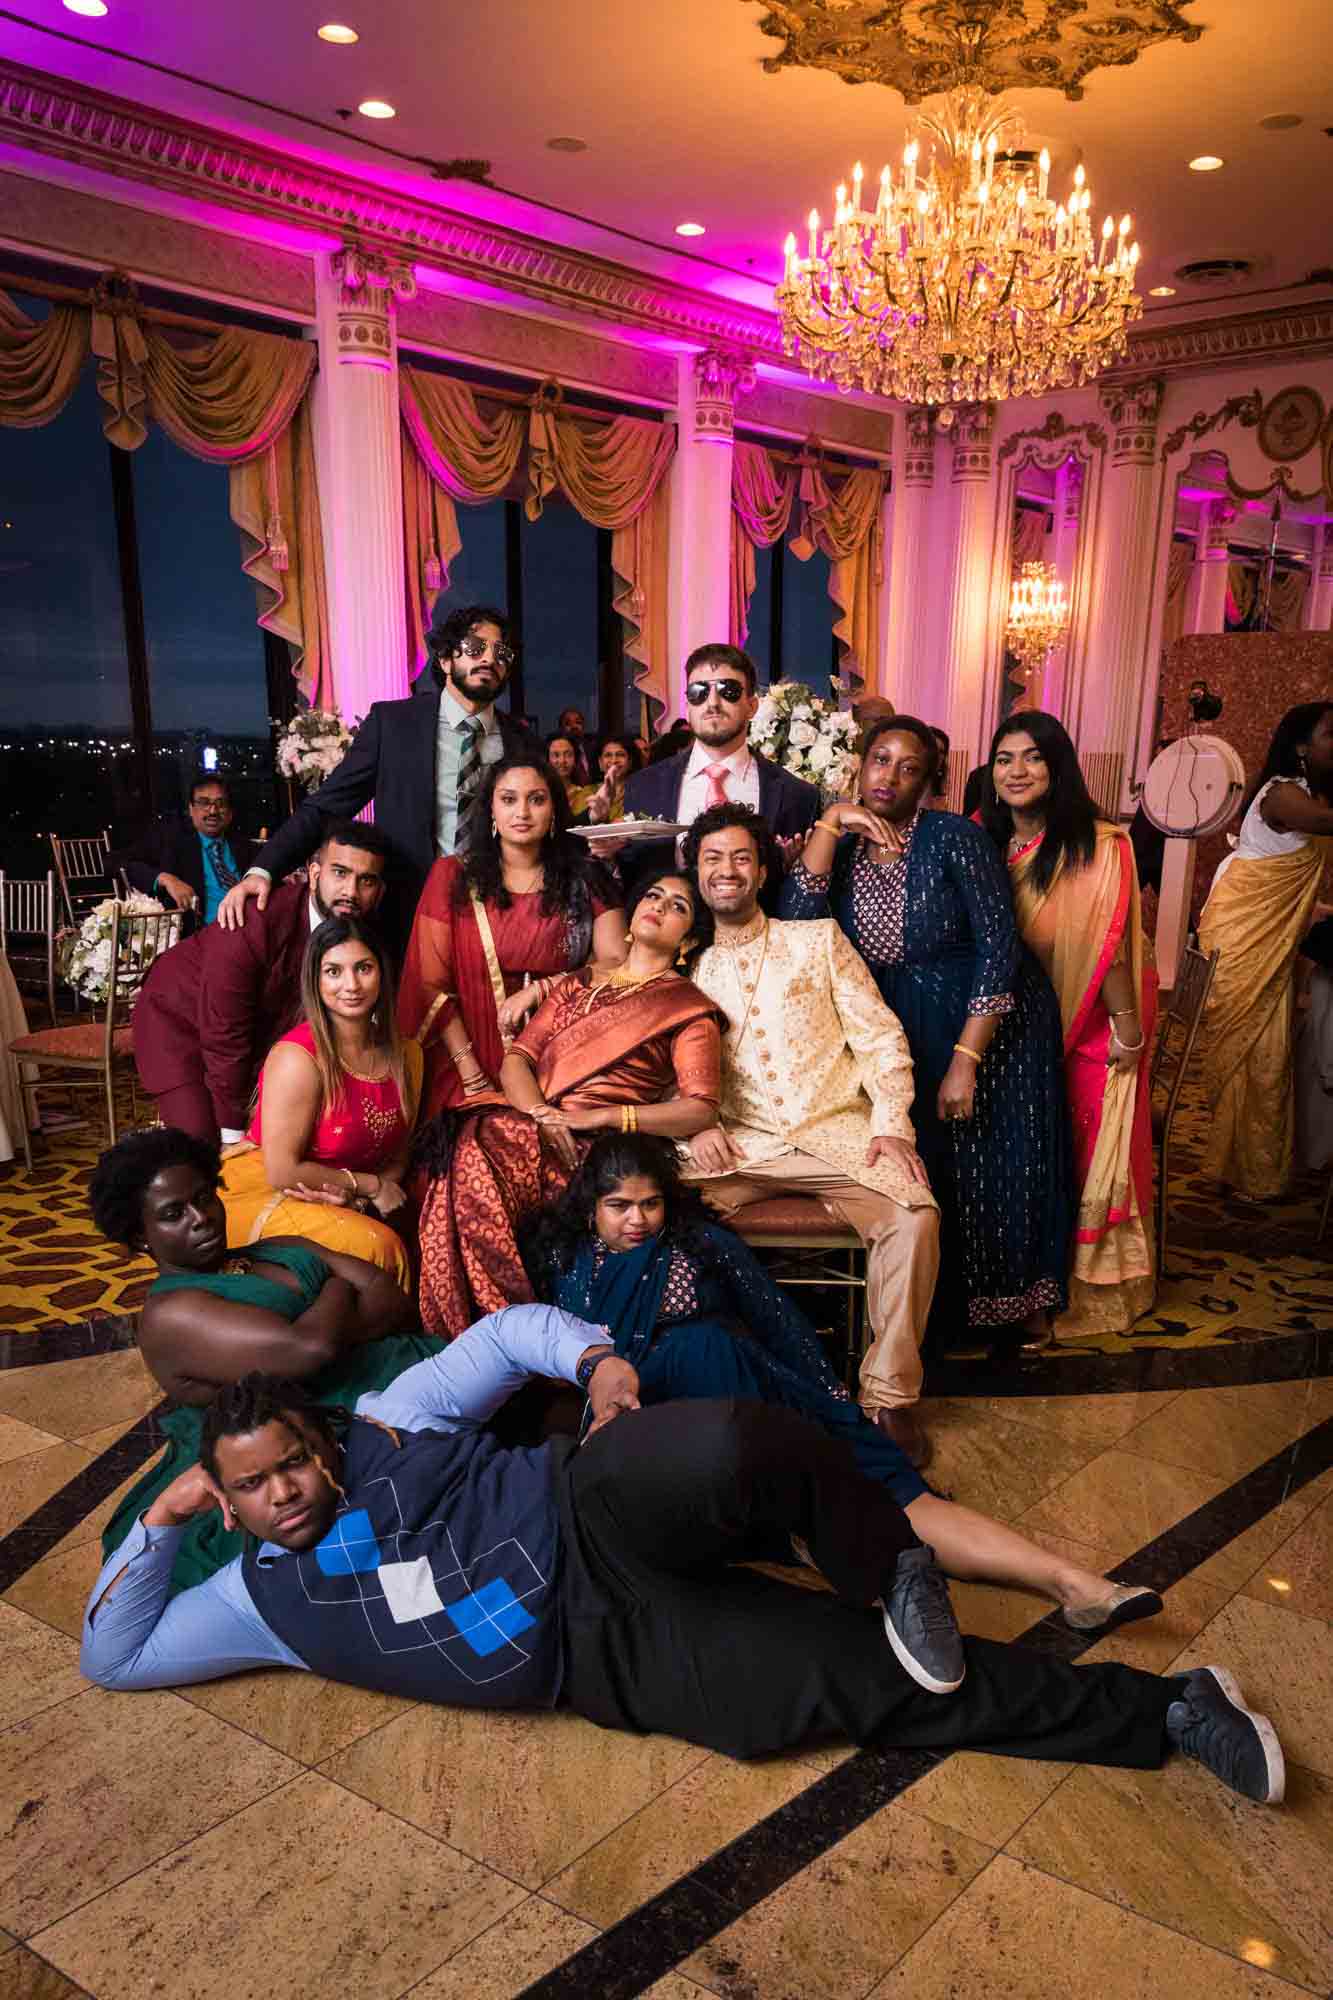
[[836, 831], [961, 1049], [351, 1179]]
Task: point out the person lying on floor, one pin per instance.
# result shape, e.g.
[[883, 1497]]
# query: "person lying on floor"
[[631, 1248], [403, 1549], [288, 1306]]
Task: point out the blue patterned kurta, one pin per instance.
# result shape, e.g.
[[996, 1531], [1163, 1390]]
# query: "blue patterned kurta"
[[937, 931]]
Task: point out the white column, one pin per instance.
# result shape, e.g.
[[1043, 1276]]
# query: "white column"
[[1206, 591], [1112, 680], [966, 588], [905, 675], [1319, 597], [700, 562], [1047, 689], [359, 460]]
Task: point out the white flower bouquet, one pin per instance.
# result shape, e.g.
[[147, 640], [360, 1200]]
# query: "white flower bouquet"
[[807, 735], [312, 745], [85, 949]]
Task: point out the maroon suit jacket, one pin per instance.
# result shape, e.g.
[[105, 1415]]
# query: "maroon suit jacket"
[[212, 1007]]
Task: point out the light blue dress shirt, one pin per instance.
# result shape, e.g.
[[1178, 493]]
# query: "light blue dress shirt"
[[136, 1639], [449, 757]]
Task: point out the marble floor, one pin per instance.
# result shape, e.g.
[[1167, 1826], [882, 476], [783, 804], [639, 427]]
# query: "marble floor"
[[272, 1837]]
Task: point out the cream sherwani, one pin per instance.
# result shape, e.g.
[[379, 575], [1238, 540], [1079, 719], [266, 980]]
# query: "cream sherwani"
[[815, 1066]]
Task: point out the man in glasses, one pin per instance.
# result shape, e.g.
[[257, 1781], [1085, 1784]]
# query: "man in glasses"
[[420, 761], [719, 768]]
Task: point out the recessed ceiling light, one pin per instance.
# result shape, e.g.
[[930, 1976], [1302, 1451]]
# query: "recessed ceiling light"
[[375, 107], [567, 145], [1162, 292], [689, 229], [1206, 163], [94, 9], [1281, 121], [336, 31]]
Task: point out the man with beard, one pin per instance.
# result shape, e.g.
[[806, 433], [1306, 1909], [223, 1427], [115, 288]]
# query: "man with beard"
[[418, 761], [212, 1007]]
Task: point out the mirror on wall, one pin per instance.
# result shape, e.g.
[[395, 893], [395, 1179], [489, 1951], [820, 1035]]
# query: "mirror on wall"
[[1243, 562], [1046, 520]]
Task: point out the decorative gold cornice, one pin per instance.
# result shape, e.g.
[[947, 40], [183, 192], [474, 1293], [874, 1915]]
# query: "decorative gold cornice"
[[1284, 331], [1245, 410], [1049, 443]]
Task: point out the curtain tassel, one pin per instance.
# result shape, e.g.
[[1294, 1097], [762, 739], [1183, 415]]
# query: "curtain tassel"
[[278, 552], [432, 573]]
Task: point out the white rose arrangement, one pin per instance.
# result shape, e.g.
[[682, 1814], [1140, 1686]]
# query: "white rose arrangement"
[[85, 950], [312, 745], [807, 735]]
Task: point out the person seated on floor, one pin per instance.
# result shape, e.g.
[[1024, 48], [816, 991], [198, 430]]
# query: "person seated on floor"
[[326, 1152], [293, 1307], [211, 1008], [629, 1248], [192, 859], [817, 1087], [403, 1549]]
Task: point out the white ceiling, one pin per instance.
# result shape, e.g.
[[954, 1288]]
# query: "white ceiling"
[[682, 123]]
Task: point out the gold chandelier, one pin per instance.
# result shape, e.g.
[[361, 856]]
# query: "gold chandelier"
[[966, 282], [1038, 616]]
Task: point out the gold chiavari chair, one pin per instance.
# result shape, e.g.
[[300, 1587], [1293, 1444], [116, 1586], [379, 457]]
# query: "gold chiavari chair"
[[1182, 1018], [28, 933], [83, 870]]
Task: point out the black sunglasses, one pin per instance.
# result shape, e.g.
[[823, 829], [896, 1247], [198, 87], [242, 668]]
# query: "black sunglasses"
[[474, 648], [697, 693]]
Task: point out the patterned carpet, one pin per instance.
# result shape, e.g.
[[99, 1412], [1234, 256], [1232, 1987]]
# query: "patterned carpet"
[[1236, 1272]]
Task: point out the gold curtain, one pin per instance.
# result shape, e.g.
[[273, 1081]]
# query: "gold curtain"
[[1178, 566], [761, 502], [40, 361], [847, 524], [430, 542], [275, 504], [1029, 536], [1286, 601], [1242, 586]]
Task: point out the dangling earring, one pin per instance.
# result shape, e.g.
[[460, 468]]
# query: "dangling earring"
[[629, 937], [683, 955], [495, 830]]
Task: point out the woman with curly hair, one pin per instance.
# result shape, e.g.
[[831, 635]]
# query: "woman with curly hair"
[[497, 926], [694, 1312]]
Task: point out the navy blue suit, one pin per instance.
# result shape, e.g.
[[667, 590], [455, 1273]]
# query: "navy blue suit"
[[788, 804]]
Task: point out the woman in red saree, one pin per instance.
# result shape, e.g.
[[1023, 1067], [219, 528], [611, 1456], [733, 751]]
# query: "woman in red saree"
[[632, 1047], [1076, 899], [497, 927]]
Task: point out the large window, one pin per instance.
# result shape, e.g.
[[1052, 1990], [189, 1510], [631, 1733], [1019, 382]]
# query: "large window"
[[790, 635]]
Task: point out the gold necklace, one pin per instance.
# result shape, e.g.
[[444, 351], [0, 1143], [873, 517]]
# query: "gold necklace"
[[621, 980]]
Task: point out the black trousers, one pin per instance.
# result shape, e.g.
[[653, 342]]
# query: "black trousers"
[[662, 1635]]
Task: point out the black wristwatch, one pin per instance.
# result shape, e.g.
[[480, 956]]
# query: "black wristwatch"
[[584, 1372]]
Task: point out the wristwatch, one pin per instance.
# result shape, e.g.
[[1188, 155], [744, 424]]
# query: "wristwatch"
[[583, 1374]]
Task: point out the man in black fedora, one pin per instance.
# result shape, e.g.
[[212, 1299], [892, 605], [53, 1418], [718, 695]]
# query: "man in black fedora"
[[419, 761]]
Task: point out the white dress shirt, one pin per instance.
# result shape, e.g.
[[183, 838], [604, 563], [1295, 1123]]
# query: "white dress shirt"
[[696, 793]]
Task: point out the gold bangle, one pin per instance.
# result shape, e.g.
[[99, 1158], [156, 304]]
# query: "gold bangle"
[[624, 1118], [836, 831], [961, 1049], [351, 1179]]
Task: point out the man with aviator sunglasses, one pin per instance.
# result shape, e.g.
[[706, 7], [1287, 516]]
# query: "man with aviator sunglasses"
[[419, 760], [719, 768]]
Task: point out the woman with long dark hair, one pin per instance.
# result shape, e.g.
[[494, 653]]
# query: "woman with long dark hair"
[[922, 896], [1258, 909], [326, 1153], [1076, 900], [497, 926], [622, 1045], [692, 1309], [618, 758]]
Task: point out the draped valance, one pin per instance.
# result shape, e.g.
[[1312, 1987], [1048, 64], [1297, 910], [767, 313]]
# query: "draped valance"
[[611, 470], [237, 398]]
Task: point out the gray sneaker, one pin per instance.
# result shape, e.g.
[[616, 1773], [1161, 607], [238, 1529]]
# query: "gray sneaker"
[[1211, 1723], [920, 1625]]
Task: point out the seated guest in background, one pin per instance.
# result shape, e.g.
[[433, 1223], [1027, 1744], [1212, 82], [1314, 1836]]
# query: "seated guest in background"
[[211, 1315], [923, 897], [419, 761], [816, 1088], [563, 758], [643, 744], [212, 1007], [192, 860], [326, 1154], [695, 1313], [672, 741], [939, 791], [615, 1046], [1258, 909], [1076, 899], [721, 692], [497, 926], [608, 1579], [617, 760], [572, 725], [872, 708]]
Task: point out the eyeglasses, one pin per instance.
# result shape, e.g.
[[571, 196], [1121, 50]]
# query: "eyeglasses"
[[697, 693], [475, 649]]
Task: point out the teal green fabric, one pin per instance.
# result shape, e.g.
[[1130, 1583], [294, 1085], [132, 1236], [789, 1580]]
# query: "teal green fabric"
[[251, 1288]]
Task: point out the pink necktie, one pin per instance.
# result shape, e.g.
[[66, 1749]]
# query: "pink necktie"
[[717, 784]]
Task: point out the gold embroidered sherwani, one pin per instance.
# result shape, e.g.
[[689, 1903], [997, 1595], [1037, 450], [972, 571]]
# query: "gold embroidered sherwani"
[[813, 1059], [815, 1067]]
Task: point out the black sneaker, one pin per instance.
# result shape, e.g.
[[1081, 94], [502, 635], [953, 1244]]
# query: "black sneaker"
[[1211, 1723], [920, 1625]]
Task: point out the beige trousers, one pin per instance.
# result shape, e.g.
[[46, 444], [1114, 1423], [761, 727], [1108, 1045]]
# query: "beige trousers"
[[902, 1261]]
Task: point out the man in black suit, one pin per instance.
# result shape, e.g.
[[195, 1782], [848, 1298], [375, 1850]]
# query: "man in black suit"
[[719, 768], [191, 860], [419, 760]]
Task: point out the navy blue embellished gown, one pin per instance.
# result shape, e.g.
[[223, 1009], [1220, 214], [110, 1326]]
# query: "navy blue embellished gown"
[[936, 927]]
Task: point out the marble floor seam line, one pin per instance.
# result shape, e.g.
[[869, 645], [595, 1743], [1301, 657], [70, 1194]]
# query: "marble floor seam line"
[[56, 1517], [632, 1954]]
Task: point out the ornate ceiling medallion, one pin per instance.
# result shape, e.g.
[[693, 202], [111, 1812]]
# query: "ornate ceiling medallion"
[[921, 47]]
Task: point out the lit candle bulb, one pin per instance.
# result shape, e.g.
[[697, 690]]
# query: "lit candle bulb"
[[975, 175], [789, 255], [1079, 176], [857, 176], [814, 233], [1044, 173], [909, 165], [1124, 225]]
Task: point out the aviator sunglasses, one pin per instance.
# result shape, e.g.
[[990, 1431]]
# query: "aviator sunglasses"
[[697, 693], [473, 649]]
